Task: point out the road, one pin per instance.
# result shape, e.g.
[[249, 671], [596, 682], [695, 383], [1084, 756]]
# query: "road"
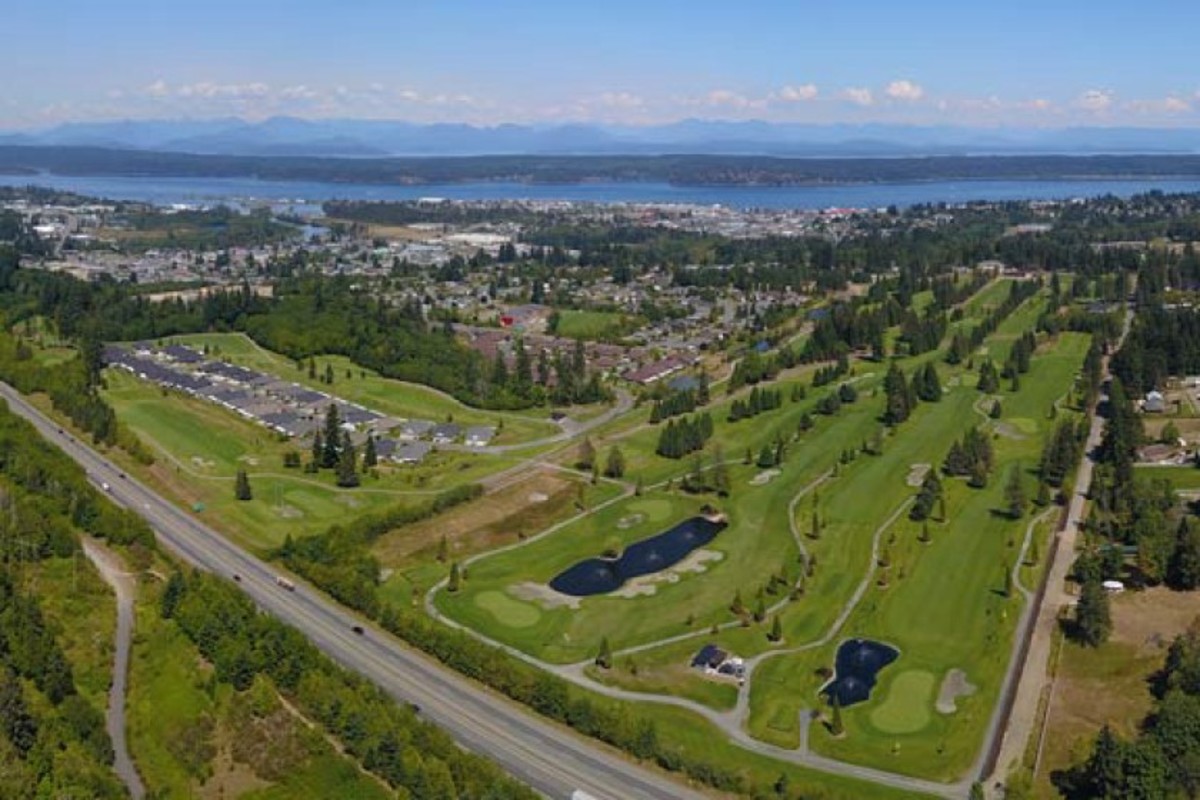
[[548, 757], [110, 568], [1034, 670]]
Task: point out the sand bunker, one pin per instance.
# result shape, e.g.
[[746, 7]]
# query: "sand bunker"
[[289, 512], [543, 595], [538, 497], [763, 477], [954, 686], [203, 463], [696, 561], [916, 474], [248, 460], [627, 522]]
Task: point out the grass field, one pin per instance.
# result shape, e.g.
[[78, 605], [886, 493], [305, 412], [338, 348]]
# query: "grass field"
[[200, 446], [360, 385], [1108, 684], [574, 324]]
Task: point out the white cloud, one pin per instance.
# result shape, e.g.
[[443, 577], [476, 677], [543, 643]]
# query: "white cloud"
[[798, 94], [858, 95], [624, 100], [157, 89], [1095, 100], [209, 90], [724, 97], [904, 90], [298, 92], [1176, 105]]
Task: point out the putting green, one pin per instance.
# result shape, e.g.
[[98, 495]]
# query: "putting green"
[[507, 610], [656, 509], [906, 709], [1024, 425]]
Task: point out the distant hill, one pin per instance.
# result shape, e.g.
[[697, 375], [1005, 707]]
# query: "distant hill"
[[290, 136]]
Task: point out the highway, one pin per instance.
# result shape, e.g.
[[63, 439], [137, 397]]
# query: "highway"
[[548, 757]]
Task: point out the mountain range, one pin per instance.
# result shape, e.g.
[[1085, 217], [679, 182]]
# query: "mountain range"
[[360, 138]]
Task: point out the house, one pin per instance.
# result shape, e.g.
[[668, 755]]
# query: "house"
[[411, 452], [715, 662], [182, 354], [1154, 403], [709, 657], [413, 429], [385, 449], [444, 433], [659, 369], [479, 435]]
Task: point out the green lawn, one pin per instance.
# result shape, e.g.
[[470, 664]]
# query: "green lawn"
[[200, 447], [574, 324], [360, 385]]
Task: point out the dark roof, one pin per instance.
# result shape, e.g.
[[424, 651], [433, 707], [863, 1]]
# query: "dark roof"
[[709, 656]]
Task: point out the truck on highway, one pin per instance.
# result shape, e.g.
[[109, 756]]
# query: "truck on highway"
[[285, 583], [580, 794], [106, 487]]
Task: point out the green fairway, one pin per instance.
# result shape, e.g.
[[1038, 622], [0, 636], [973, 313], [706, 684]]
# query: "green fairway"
[[906, 706], [508, 611]]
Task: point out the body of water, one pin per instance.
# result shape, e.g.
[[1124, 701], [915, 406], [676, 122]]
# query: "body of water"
[[307, 196], [602, 575], [855, 669]]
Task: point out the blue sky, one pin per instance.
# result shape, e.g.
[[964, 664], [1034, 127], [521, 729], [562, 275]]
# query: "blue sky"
[[1050, 63]]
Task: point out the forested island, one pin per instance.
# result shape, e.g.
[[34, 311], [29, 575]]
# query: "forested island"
[[682, 170]]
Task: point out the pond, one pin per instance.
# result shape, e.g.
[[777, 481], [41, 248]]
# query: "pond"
[[858, 662], [601, 575]]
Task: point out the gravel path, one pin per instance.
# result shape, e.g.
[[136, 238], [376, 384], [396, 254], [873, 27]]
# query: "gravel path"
[[123, 583]]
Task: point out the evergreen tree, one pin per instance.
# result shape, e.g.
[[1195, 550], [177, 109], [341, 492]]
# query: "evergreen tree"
[[604, 656], [836, 727], [1014, 493], [587, 455], [989, 379], [370, 457], [776, 630], [898, 394], [1093, 620], [614, 466], [1184, 569], [332, 438], [172, 594], [318, 449], [347, 470], [241, 486], [455, 581]]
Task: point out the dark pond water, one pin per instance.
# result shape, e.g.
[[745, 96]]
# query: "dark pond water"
[[857, 664], [600, 575]]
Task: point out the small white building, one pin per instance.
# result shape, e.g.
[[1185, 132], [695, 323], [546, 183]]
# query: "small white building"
[[1154, 403]]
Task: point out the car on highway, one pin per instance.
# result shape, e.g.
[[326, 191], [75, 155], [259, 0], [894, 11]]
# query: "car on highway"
[[358, 629], [285, 583]]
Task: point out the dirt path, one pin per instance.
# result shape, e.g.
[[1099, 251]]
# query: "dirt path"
[[124, 585]]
